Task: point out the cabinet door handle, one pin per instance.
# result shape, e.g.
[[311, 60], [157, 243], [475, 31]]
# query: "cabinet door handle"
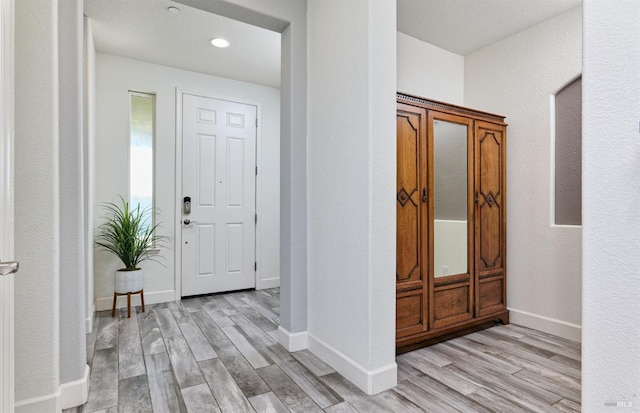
[[424, 195]]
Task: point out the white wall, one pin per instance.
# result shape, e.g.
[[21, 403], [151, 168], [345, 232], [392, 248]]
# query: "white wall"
[[37, 218], [610, 205], [516, 77], [89, 132], [428, 71], [351, 188], [115, 76]]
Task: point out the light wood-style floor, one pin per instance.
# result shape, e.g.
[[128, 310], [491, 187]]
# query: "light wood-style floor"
[[219, 354]]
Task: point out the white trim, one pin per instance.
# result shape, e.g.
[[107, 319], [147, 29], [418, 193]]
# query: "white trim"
[[267, 283], [369, 381], [292, 341], [7, 367], [48, 403], [75, 393], [89, 320], [548, 325], [258, 283], [156, 297]]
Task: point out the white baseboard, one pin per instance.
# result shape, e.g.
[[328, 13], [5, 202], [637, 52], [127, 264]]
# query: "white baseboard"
[[75, 393], [292, 341], [48, 403], [268, 283], [369, 381], [156, 297], [545, 324], [89, 319]]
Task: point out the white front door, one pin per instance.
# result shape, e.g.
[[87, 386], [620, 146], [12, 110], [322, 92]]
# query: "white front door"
[[219, 184], [6, 199]]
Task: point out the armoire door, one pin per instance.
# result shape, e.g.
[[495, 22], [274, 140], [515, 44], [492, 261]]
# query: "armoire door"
[[412, 223], [490, 217], [451, 284]]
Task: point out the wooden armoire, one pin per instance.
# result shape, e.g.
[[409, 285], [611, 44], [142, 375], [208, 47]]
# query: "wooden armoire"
[[451, 221]]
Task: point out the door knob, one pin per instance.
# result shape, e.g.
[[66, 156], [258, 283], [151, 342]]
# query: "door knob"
[[9, 267], [187, 221]]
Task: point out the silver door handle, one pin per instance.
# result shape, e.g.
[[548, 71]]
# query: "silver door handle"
[[9, 267], [188, 221]]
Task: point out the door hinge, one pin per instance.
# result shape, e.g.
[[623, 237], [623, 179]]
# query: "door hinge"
[[256, 122], [256, 218], [256, 170], [255, 266]]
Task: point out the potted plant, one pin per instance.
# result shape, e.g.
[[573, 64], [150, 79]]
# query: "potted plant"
[[130, 234]]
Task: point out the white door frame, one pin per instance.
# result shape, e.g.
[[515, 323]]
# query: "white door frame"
[[178, 181], [6, 207]]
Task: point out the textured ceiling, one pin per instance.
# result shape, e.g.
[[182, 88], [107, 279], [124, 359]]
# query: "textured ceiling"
[[462, 26], [145, 30]]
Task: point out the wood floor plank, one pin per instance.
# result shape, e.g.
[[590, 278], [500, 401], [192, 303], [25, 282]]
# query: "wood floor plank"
[[512, 388], [245, 376], [293, 397], [557, 350], [512, 351], [310, 384], [107, 333], [268, 403], [258, 319], [251, 353], [483, 359], [219, 301], [166, 322], [200, 347], [553, 376], [104, 376], [425, 400], [185, 367], [448, 395], [199, 399], [495, 402], [131, 358], [133, 395], [562, 342], [568, 406], [251, 330], [218, 316], [459, 383], [224, 388], [353, 395], [195, 354], [547, 384], [397, 403], [343, 407], [313, 363], [150, 336], [428, 354], [209, 329], [265, 311], [192, 304], [179, 313], [162, 385]]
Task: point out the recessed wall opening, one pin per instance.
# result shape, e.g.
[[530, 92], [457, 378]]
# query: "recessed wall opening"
[[568, 155]]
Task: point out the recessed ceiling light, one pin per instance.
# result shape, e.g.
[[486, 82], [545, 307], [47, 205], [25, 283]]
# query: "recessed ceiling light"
[[173, 10], [220, 42]]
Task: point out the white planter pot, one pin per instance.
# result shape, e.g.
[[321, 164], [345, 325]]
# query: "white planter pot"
[[129, 281]]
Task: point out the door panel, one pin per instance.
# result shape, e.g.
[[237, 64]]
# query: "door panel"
[[412, 223], [218, 174], [490, 217]]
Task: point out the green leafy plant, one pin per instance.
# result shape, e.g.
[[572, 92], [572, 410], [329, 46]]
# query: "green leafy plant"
[[129, 233]]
